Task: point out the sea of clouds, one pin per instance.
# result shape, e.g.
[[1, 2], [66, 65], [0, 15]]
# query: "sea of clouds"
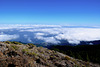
[[48, 33]]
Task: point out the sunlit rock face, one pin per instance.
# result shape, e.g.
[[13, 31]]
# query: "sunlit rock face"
[[49, 34]]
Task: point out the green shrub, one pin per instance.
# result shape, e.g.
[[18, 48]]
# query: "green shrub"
[[31, 45], [28, 53], [15, 47], [17, 43], [25, 50], [8, 42], [34, 53], [67, 57], [31, 53]]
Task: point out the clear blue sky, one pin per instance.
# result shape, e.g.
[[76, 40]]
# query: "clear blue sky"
[[72, 12]]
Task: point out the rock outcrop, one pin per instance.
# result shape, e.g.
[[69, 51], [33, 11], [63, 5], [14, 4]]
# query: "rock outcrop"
[[20, 55]]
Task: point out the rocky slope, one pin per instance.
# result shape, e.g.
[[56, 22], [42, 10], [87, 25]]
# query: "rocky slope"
[[20, 55]]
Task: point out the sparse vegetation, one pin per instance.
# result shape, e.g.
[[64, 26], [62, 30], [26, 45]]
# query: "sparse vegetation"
[[17, 43], [25, 50], [34, 53], [68, 58], [13, 42], [8, 42], [32, 56], [31, 45], [15, 47]]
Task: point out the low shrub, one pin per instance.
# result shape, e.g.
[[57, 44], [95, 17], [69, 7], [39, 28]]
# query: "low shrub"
[[31, 45], [15, 47], [17, 43], [8, 42]]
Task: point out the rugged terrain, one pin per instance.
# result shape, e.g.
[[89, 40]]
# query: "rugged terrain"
[[14, 54]]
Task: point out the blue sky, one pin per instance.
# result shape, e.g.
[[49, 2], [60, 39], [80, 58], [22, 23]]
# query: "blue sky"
[[71, 12]]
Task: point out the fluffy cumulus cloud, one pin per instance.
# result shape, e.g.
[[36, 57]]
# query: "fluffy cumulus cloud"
[[72, 35], [75, 35], [50, 33]]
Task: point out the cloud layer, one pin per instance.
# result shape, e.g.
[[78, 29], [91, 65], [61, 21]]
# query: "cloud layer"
[[48, 33], [6, 37]]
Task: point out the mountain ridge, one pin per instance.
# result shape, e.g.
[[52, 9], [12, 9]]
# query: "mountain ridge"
[[14, 54]]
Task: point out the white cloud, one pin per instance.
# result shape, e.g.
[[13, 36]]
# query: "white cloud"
[[75, 35], [29, 40], [52, 33], [48, 39], [40, 34], [8, 37]]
